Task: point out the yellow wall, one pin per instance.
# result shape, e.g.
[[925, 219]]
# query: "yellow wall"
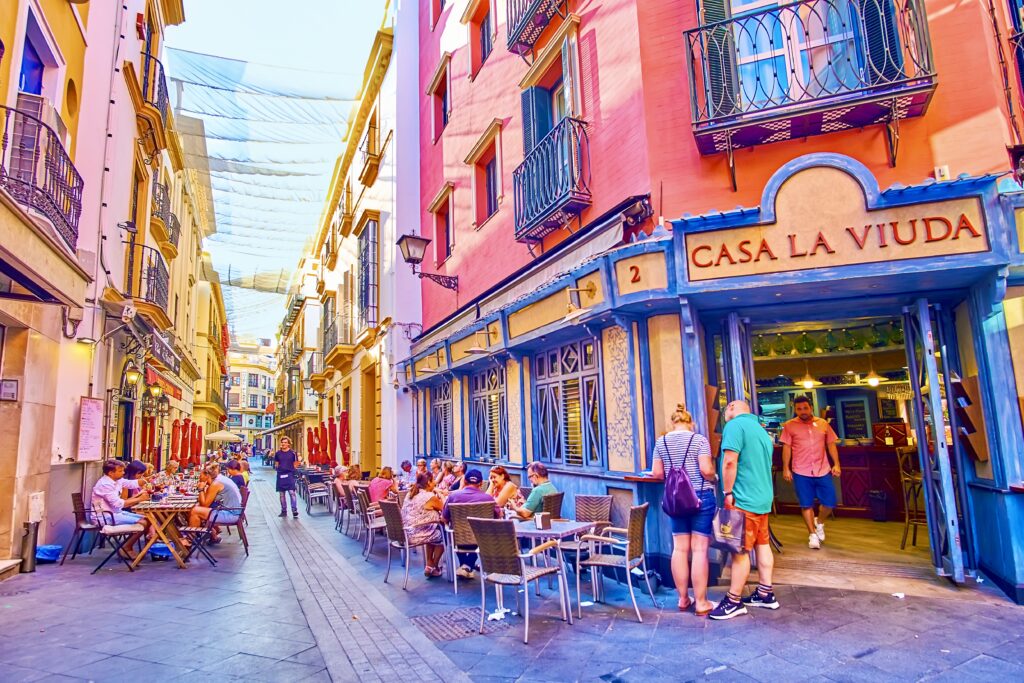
[[1013, 306], [513, 392], [666, 368]]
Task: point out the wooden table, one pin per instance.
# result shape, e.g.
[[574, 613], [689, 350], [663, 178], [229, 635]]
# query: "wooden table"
[[560, 530], [162, 515]]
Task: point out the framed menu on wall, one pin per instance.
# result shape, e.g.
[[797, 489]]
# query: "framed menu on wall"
[[90, 430], [853, 418]]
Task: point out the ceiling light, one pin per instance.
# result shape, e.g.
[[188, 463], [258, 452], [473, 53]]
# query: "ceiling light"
[[86, 340], [873, 379], [807, 381]]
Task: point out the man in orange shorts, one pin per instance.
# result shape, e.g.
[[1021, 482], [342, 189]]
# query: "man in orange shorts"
[[747, 484]]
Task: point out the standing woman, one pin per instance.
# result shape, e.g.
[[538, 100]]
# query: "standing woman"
[[684, 448], [284, 463]]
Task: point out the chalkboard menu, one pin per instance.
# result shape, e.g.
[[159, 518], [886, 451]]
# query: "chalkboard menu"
[[855, 419]]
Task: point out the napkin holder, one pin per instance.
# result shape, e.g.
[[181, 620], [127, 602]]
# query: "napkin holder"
[[543, 520]]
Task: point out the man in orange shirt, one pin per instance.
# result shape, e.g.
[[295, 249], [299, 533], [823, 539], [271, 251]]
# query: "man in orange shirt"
[[807, 444]]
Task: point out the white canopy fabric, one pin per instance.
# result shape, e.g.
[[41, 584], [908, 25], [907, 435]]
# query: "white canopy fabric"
[[223, 436]]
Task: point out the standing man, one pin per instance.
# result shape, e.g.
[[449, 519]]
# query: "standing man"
[[807, 444], [747, 484], [284, 463]]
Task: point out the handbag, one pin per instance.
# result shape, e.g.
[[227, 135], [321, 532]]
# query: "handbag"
[[680, 500], [729, 525]]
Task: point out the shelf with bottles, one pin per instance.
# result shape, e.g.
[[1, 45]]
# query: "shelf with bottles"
[[829, 354], [872, 338], [828, 387]]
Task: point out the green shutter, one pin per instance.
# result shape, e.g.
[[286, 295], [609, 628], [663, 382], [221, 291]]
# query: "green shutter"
[[536, 106], [719, 53]]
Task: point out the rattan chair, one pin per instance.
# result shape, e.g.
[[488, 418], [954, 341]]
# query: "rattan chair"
[[340, 504], [350, 508], [502, 564], [460, 535], [397, 537], [118, 535], [912, 485], [601, 554], [593, 509], [84, 524], [372, 523], [552, 504]]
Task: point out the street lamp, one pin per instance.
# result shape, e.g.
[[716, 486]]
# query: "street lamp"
[[163, 406], [148, 403], [131, 373], [413, 249], [156, 390]]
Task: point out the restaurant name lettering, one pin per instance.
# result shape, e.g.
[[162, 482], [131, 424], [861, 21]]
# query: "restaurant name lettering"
[[772, 249]]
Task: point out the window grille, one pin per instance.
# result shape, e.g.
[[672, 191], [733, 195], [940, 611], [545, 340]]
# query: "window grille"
[[489, 412], [568, 405], [368, 275], [441, 420]]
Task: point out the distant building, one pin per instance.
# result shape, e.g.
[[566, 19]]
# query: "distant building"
[[251, 391]]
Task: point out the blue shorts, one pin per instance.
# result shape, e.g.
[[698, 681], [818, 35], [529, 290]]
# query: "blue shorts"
[[124, 518], [809, 488], [700, 521]]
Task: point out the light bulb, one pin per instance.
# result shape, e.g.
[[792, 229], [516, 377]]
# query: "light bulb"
[[808, 383], [873, 381]]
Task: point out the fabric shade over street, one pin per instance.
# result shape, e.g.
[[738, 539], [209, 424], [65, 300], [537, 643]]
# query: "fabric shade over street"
[[223, 436]]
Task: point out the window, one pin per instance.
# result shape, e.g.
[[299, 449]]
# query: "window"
[[263, 401], [553, 94], [491, 186], [233, 400], [479, 18], [436, 8], [444, 224], [236, 379], [485, 37], [485, 158], [439, 92], [253, 401], [568, 405], [254, 380], [441, 420], [489, 414], [368, 275]]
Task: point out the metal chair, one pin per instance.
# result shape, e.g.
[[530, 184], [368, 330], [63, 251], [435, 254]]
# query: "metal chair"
[[317, 491], [118, 535], [397, 537], [340, 508], [199, 536], [460, 534], [240, 524], [912, 484], [83, 525], [371, 522], [631, 541], [552, 504], [350, 507]]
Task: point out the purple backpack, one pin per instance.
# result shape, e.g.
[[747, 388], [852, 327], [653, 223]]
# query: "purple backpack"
[[680, 500]]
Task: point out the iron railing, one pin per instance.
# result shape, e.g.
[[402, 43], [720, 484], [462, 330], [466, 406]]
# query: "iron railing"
[[337, 333], [161, 203], [808, 52], [217, 399], [526, 20], [369, 148], [147, 277], [37, 172], [314, 363], [292, 405], [154, 85], [1017, 43], [553, 181], [173, 229]]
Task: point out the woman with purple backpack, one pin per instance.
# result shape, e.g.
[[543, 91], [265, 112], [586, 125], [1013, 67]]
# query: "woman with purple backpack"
[[682, 457]]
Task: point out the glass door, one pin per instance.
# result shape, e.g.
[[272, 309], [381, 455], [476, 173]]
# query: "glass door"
[[935, 424]]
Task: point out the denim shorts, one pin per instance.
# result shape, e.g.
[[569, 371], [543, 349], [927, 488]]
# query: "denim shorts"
[[809, 488], [700, 521]]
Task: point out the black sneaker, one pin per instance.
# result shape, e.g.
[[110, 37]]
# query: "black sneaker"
[[295, 513], [283, 514], [755, 599], [727, 609]]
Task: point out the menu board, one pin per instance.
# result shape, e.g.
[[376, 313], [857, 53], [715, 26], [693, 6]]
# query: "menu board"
[[854, 416], [90, 429]]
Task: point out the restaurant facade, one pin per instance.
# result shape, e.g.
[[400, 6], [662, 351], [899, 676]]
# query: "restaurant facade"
[[873, 261]]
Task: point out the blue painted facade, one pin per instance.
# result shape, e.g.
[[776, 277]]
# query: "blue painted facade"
[[976, 281]]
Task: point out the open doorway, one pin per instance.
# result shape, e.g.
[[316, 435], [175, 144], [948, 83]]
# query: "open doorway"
[[908, 428]]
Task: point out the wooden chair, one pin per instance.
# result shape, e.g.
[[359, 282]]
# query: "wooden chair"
[[83, 525], [502, 564], [460, 534], [240, 524], [602, 555], [912, 485]]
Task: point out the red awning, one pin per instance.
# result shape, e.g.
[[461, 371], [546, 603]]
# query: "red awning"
[[270, 409]]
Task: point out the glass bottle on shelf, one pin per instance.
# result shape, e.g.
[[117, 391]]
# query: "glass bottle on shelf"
[[761, 347], [878, 337], [781, 347], [850, 341], [805, 344], [830, 344], [896, 333]]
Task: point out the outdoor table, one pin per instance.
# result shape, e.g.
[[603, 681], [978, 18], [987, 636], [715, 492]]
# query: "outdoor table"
[[560, 530], [161, 515]]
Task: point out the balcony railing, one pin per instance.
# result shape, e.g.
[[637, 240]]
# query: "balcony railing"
[[147, 278], [553, 182], [37, 172], [315, 363], [217, 399], [824, 65], [173, 230], [369, 149], [161, 203], [527, 19], [292, 406], [154, 85]]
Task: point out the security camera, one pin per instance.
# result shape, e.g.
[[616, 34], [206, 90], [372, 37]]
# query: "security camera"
[[128, 313]]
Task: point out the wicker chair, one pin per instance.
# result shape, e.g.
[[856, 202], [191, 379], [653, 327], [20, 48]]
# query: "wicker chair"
[[552, 504], [912, 484], [350, 507], [502, 564], [340, 504], [397, 537], [83, 525], [371, 522], [460, 534], [601, 549], [594, 509]]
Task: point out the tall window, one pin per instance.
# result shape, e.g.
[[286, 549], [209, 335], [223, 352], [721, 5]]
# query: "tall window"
[[489, 414], [254, 380], [441, 420], [439, 92], [568, 405], [486, 41], [253, 401], [368, 275], [491, 186], [236, 379]]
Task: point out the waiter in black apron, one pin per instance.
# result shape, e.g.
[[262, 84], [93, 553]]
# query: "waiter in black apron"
[[284, 463]]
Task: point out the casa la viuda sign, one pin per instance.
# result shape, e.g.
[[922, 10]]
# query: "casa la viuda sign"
[[822, 221]]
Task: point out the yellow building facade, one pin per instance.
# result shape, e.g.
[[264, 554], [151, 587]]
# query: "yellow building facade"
[[251, 393]]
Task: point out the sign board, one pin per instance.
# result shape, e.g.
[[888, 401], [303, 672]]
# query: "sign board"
[[162, 352], [9, 390], [90, 429], [170, 388], [821, 222], [853, 414]]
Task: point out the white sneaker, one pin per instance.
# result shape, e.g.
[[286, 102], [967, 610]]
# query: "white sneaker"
[[819, 531], [813, 541], [465, 572]]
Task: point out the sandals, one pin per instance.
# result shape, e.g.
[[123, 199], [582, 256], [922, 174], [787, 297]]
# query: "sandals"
[[428, 571]]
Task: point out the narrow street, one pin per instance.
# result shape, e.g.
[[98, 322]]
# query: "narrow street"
[[305, 607]]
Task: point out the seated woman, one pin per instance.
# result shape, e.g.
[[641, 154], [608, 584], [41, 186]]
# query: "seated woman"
[[421, 515], [459, 472], [246, 472], [133, 481], [216, 492], [383, 484], [504, 490], [447, 478], [235, 474]]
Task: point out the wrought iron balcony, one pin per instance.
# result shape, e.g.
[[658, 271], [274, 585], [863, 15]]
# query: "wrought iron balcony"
[[807, 68], [337, 341], [369, 149], [147, 279], [314, 363], [527, 19], [154, 86], [37, 172], [553, 182], [161, 208], [173, 230]]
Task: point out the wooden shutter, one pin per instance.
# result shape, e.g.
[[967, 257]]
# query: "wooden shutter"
[[883, 54], [536, 107], [570, 76], [719, 48]]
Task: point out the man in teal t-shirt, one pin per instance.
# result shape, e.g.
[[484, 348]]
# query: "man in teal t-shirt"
[[747, 484], [538, 475]]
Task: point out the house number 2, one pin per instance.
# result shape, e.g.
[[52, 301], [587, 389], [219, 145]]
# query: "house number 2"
[[634, 272]]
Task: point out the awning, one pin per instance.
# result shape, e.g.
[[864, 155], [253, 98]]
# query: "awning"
[[279, 427], [170, 387]]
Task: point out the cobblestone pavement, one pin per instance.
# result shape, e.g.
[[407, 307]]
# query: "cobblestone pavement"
[[305, 606]]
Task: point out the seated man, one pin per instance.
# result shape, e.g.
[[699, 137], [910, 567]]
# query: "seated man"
[[469, 493], [109, 499], [538, 476], [216, 491]]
